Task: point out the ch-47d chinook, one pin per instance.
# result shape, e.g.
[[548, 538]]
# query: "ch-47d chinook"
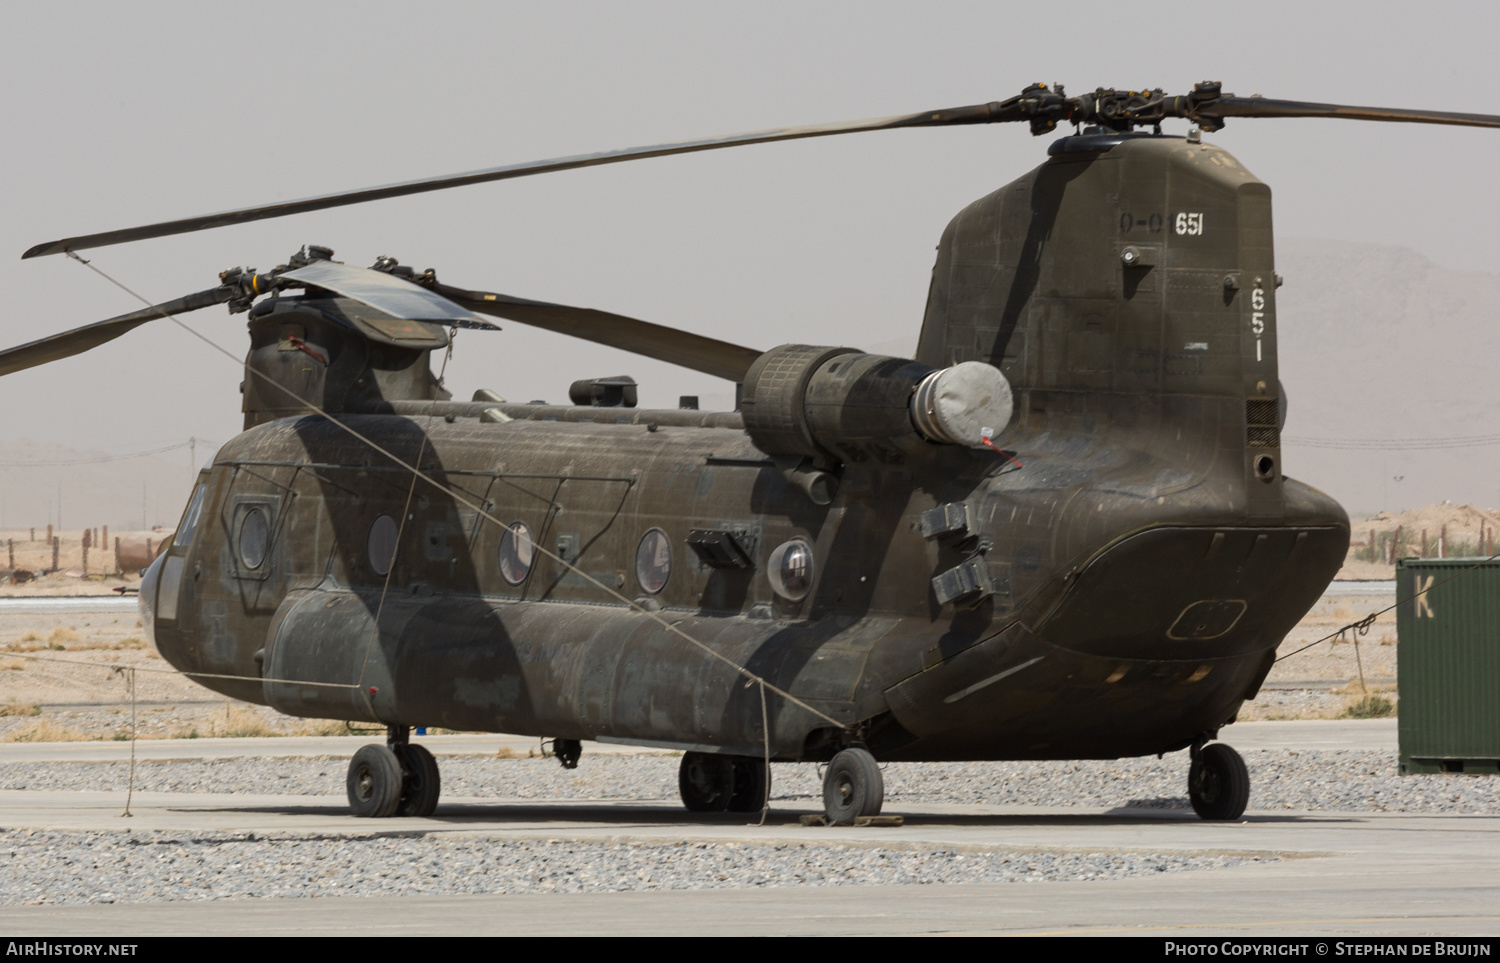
[[1061, 531]]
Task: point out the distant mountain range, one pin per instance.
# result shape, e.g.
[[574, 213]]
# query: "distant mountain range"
[[1380, 343]]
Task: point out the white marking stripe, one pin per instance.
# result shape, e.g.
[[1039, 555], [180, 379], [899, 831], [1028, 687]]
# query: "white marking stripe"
[[991, 680]]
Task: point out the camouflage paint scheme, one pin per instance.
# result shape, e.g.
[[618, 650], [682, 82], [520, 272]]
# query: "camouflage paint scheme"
[[1144, 563]]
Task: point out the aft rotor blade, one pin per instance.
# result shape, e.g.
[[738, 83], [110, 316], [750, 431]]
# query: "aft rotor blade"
[[385, 292], [718, 358], [1264, 107], [978, 114], [65, 345]]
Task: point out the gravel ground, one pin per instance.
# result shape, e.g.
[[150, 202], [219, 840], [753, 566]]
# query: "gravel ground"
[[158, 866], [124, 866], [1341, 780]]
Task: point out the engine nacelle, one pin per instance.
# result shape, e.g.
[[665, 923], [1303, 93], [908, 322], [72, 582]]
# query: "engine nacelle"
[[840, 405]]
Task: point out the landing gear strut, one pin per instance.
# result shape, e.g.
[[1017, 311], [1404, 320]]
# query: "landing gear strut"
[[396, 779], [1218, 782]]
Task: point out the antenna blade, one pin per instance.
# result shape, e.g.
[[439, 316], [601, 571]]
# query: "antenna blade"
[[1264, 107], [68, 343], [978, 114], [718, 358]]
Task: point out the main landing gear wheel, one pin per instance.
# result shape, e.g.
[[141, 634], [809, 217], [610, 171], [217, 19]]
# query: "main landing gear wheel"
[[852, 787], [706, 782], [374, 782], [750, 786], [1219, 783], [421, 782]]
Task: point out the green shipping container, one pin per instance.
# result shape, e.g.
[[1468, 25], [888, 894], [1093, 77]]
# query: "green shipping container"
[[1448, 664]]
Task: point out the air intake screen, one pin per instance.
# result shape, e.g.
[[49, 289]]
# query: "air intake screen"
[[1261, 417]]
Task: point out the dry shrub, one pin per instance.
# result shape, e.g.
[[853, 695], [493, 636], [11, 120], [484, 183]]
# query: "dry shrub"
[[12, 665], [18, 709], [239, 723], [1372, 706], [318, 727], [43, 730], [31, 637], [61, 634], [242, 722]]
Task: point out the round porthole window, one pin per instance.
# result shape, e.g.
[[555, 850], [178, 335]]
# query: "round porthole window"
[[255, 538], [516, 553], [791, 570], [382, 544], [653, 561]]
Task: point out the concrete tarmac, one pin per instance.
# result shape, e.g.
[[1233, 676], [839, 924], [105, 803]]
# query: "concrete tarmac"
[[1356, 874]]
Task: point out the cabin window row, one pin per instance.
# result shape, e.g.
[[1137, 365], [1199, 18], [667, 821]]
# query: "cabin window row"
[[790, 565]]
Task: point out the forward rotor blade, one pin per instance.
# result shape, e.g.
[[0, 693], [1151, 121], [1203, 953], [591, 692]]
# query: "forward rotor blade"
[[65, 345], [718, 358], [978, 114], [386, 292], [1263, 107]]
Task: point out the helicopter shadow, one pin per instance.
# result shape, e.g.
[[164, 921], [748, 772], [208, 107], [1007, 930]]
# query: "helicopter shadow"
[[656, 813]]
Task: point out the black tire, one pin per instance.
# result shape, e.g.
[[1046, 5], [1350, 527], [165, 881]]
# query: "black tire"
[[706, 782], [1219, 783], [421, 782], [751, 781], [852, 787], [374, 782]]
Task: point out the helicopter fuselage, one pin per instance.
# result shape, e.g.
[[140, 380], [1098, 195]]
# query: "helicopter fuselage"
[[1125, 619], [1115, 582]]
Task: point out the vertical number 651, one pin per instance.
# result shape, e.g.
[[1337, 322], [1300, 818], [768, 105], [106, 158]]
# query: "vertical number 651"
[[1189, 223]]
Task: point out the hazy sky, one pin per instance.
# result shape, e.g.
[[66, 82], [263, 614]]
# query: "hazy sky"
[[116, 115]]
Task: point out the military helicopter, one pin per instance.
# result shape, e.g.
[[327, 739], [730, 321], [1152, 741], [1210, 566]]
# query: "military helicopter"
[[1062, 530]]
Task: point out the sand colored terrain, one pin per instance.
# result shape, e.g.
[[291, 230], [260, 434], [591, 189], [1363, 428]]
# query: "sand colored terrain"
[[62, 679], [1319, 677], [98, 574], [1434, 531]]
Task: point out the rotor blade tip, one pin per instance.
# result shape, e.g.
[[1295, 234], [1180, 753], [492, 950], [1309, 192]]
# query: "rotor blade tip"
[[40, 250]]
